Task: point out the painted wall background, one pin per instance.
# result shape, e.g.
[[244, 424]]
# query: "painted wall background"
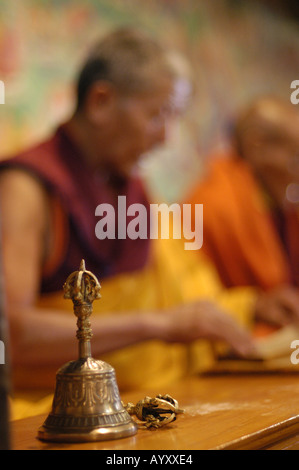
[[237, 49]]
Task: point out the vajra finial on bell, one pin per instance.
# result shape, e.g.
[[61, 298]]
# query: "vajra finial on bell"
[[82, 287]]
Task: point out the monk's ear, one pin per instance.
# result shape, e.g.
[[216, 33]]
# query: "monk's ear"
[[100, 102]]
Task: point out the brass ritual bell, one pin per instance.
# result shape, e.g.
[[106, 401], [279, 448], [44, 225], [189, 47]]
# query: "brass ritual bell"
[[86, 404]]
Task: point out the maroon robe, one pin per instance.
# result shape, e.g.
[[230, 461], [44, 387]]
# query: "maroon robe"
[[58, 164]]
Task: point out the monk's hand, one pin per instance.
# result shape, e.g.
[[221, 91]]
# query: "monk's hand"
[[205, 320], [279, 307]]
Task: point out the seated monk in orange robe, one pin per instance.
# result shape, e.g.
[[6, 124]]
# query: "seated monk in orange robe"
[[251, 203]]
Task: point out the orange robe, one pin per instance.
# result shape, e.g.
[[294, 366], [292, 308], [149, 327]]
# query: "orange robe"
[[240, 232]]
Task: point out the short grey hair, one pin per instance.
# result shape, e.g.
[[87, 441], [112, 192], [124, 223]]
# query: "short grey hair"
[[129, 59]]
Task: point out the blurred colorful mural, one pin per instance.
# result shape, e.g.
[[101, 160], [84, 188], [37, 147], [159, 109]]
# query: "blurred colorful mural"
[[237, 49]]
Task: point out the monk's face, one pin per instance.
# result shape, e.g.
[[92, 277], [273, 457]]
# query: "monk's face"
[[274, 155], [279, 166], [135, 125]]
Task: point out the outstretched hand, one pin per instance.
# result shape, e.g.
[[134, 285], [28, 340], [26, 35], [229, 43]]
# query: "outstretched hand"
[[205, 320], [279, 307]]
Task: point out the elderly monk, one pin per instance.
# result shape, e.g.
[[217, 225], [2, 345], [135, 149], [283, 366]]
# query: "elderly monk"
[[156, 300], [251, 207]]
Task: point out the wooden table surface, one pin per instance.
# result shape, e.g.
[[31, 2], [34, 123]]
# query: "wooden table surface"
[[221, 412]]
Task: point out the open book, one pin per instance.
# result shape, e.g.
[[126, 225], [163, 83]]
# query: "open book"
[[276, 351]]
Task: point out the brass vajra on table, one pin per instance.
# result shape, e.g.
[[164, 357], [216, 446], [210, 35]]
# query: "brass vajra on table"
[[87, 404], [154, 412]]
